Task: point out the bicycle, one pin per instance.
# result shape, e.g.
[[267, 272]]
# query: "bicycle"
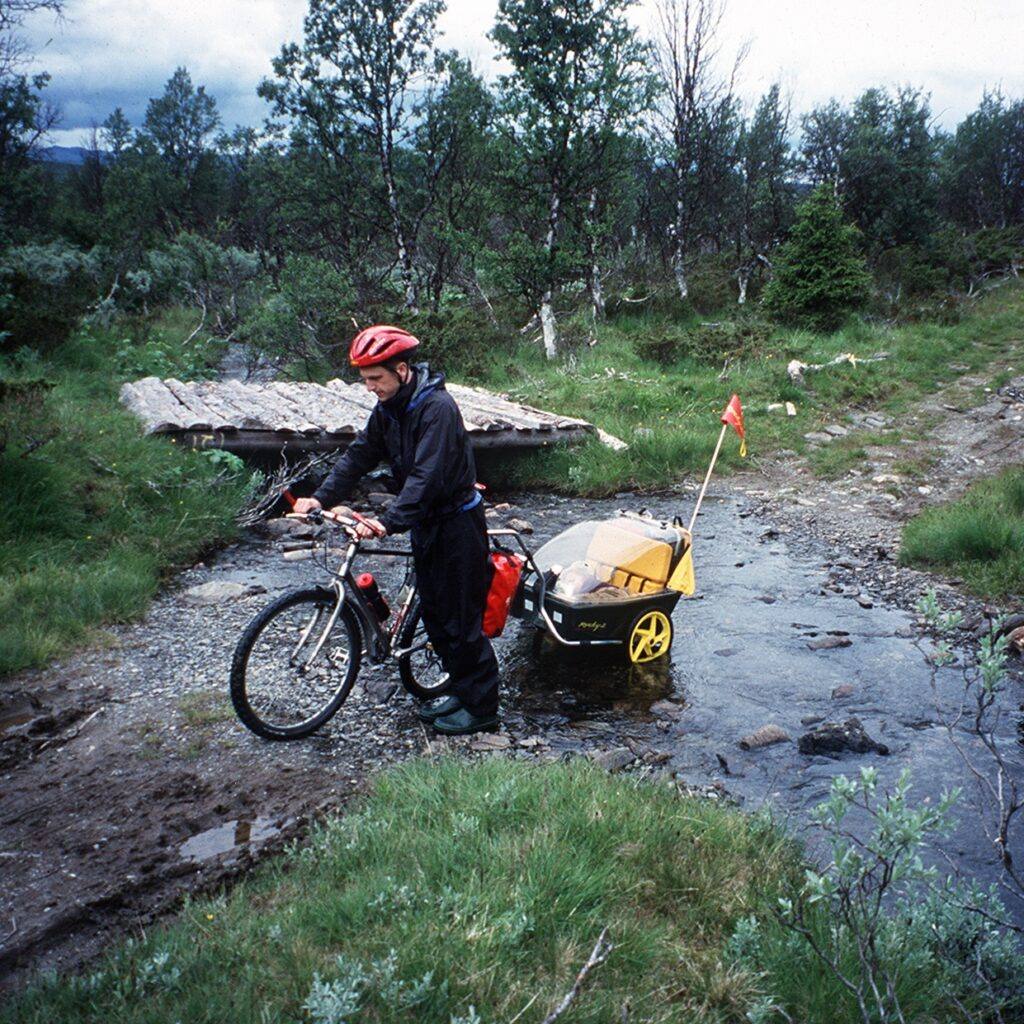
[[297, 660]]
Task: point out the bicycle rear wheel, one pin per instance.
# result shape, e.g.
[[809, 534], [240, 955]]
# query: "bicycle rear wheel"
[[278, 688], [421, 670]]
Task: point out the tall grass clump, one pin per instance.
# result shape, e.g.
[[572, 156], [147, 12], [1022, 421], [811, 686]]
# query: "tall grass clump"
[[95, 513], [980, 537], [462, 891]]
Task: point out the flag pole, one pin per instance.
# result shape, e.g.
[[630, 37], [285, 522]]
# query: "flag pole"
[[704, 486]]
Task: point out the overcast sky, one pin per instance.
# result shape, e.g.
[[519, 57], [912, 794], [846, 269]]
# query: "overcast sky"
[[121, 52]]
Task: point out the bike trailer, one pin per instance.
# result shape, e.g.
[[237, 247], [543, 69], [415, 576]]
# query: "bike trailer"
[[611, 581]]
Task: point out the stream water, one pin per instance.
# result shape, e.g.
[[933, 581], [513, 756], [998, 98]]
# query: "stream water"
[[742, 657]]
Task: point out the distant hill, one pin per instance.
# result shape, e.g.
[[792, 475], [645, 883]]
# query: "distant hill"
[[73, 156]]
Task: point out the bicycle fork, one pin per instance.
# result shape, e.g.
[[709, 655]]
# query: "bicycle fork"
[[303, 667]]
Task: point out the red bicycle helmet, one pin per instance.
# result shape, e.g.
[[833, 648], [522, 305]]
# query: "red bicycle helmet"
[[380, 343]]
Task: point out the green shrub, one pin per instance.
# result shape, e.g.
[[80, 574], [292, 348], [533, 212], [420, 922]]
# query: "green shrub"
[[461, 341], [711, 285], [44, 291], [743, 337], [308, 319], [820, 276]]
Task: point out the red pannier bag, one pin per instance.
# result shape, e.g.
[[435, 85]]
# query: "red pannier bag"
[[508, 569]]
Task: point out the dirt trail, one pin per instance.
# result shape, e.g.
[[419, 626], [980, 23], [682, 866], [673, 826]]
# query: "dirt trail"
[[865, 509], [125, 780]]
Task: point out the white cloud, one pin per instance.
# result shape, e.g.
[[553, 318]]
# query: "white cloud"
[[121, 52]]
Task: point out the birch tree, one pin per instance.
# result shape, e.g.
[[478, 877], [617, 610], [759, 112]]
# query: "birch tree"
[[765, 198], [578, 72], [356, 77], [697, 97]]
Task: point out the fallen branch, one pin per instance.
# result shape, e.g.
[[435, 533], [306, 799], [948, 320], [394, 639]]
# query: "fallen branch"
[[262, 504], [796, 369], [598, 955]]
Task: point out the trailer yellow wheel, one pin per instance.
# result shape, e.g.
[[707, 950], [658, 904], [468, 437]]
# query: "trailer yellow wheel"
[[651, 637]]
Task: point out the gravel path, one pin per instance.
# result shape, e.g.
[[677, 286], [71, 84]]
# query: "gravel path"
[[127, 781]]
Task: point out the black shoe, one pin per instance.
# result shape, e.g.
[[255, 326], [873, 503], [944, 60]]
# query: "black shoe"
[[463, 722], [437, 708]]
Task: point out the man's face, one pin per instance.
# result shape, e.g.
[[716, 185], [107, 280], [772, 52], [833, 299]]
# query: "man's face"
[[382, 382]]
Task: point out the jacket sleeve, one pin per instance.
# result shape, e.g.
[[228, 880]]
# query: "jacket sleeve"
[[427, 478], [362, 455]]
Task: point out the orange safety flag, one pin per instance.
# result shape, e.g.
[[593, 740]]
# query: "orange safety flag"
[[733, 416]]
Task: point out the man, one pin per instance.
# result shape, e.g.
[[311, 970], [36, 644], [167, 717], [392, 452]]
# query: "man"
[[418, 428]]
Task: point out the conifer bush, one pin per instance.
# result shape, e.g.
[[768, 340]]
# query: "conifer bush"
[[820, 276]]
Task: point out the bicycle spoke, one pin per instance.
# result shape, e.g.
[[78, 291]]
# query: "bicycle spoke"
[[283, 689]]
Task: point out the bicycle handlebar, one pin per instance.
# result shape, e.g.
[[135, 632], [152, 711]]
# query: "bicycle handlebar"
[[324, 515]]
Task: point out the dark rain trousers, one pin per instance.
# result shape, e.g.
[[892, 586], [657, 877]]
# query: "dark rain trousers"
[[453, 573]]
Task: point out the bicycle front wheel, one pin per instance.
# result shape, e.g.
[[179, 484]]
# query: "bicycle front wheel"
[[282, 687]]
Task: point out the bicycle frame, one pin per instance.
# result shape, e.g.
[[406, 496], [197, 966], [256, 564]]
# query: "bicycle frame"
[[379, 638]]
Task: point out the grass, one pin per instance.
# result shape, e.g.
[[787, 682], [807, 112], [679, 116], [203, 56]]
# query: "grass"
[[94, 513], [205, 707], [669, 413], [979, 538], [462, 892]]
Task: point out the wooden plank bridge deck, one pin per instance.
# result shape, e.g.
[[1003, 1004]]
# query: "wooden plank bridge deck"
[[290, 417]]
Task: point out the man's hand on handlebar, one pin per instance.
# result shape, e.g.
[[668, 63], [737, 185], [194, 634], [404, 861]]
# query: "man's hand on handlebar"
[[366, 528]]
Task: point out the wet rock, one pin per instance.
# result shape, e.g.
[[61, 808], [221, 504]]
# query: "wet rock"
[[864, 601], [380, 499], [531, 742], [490, 741], [656, 757], [1016, 640], [845, 690], [812, 719], [764, 737], [834, 738], [380, 688], [666, 709], [828, 643], [613, 760], [280, 527], [727, 652], [521, 525], [219, 592]]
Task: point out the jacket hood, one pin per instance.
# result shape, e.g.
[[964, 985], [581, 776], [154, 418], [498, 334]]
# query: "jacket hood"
[[426, 382], [411, 394]]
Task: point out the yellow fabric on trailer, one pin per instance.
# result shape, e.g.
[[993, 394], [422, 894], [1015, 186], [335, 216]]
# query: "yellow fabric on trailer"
[[637, 563]]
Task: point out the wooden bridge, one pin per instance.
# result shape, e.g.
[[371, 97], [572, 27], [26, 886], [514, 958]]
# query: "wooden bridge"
[[288, 417]]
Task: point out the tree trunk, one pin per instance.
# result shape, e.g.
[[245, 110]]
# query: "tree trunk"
[[548, 326], [678, 242], [743, 276], [594, 273], [596, 294], [680, 272], [546, 311], [404, 255]]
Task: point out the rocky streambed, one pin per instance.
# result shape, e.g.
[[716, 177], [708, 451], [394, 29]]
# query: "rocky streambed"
[[125, 779]]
